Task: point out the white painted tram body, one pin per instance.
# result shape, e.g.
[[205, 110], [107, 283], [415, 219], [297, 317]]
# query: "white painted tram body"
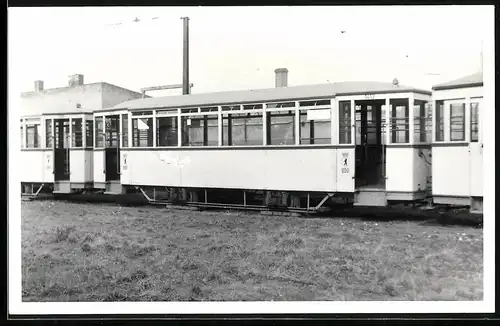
[[457, 148], [368, 141], [57, 134]]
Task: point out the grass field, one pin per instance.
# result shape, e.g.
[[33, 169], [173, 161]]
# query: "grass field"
[[82, 252]]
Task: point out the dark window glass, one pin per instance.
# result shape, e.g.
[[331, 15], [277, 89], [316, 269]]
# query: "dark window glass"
[[76, 133], [200, 131], [48, 133], [99, 132], [345, 122], [89, 130], [439, 121], [474, 122], [281, 128], [457, 122], [167, 131], [241, 129], [142, 130]]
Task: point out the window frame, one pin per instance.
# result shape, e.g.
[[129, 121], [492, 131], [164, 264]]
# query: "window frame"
[[439, 120], [461, 105], [242, 115], [205, 117], [279, 112], [36, 126], [74, 132], [395, 126], [136, 137], [475, 132], [342, 123], [175, 118]]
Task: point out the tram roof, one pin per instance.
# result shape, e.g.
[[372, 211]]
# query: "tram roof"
[[466, 81], [277, 94]]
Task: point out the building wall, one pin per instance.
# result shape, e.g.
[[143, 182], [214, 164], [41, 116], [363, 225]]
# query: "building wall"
[[62, 100], [113, 95]]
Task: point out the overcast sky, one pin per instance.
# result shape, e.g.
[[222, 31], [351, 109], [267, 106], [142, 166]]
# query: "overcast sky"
[[233, 48]]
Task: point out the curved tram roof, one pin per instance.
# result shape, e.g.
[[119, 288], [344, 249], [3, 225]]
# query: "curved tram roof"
[[467, 81], [268, 95]]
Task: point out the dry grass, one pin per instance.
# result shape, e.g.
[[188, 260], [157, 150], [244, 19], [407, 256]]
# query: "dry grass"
[[82, 252]]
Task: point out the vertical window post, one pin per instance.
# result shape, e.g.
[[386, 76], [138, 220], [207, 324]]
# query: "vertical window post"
[[334, 117], [297, 123], [388, 123], [23, 135], [70, 134], [353, 122], [411, 119], [219, 126], [84, 131], [467, 119], [264, 125], [154, 129], [180, 130]]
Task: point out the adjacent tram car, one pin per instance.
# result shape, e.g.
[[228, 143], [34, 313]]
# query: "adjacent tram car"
[[298, 147], [457, 148], [57, 134]]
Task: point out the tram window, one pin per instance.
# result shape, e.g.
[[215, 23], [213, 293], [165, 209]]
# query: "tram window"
[[457, 122], [76, 133], [48, 133], [439, 120], [474, 122], [314, 103], [99, 132], [21, 139], [200, 131], [345, 122], [281, 128], [252, 107], [281, 105], [422, 122], [316, 131], [112, 131], [125, 130], [142, 131], [400, 123], [167, 131], [32, 136], [242, 129], [89, 129]]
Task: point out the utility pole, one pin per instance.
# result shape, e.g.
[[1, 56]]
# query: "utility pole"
[[185, 65]]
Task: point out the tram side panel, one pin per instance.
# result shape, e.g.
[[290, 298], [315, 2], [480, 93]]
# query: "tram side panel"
[[80, 162], [450, 173], [422, 172], [399, 169], [36, 166], [98, 168], [265, 169]]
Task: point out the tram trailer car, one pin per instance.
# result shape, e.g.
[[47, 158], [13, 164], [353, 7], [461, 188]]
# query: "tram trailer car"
[[457, 149], [292, 147], [57, 134]]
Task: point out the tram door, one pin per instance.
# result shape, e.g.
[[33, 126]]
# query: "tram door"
[[370, 149], [112, 148], [61, 150]]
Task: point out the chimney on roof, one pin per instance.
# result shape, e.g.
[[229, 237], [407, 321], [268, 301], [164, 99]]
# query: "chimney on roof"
[[281, 77], [75, 80], [38, 85]]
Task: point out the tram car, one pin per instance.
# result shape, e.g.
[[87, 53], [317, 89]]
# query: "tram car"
[[57, 134], [457, 147], [298, 148]]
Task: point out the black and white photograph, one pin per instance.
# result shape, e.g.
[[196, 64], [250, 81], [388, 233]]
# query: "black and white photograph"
[[295, 159]]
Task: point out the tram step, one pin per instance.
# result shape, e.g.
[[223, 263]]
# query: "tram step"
[[370, 198]]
